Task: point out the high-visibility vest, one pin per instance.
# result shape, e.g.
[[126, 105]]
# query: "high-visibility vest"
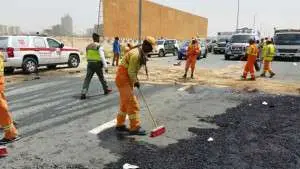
[[264, 50], [1, 64], [252, 50], [92, 52], [270, 53]]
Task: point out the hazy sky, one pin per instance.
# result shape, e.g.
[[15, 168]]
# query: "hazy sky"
[[38, 14]]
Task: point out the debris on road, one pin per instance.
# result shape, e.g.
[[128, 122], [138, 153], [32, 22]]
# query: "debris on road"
[[270, 138], [210, 139], [3, 151], [265, 103], [250, 89], [129, 166], [177, 64]]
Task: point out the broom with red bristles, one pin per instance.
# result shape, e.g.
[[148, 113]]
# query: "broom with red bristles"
[[158, 130]]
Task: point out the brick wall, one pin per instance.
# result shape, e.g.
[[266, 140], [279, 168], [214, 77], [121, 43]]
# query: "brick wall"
[[121, 19]]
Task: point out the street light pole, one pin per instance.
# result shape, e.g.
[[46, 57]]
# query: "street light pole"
[[238, 15], [99, 16], [140, 21]]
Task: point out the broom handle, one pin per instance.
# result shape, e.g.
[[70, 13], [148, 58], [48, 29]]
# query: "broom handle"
[[150, 113]]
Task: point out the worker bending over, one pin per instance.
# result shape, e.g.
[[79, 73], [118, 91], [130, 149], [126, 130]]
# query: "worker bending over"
[[126, 80]]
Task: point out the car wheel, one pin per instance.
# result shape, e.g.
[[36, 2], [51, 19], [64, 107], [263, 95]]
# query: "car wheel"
[[51, 66], [9, 70], [74, 61], [30, 65], [161, 53], [175, 52]]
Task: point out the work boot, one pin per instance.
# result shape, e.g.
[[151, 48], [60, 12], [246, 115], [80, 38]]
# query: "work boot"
[[243, 77], [122, 129], [252, 79], [6, 141], [184, 76], [192, 76], [108, 91], [272, 74], [83, 97], [139, 132], [263, 75]]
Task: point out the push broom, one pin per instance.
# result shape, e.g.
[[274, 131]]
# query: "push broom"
[[158, 130]]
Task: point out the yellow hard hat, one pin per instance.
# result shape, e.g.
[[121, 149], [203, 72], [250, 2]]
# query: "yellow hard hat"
[[151, 40]]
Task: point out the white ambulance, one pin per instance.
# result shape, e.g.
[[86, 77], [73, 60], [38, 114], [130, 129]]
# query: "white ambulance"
[[30, 52]]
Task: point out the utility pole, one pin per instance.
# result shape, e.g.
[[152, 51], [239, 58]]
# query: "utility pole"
[[238, 15], [140, 21], [254, 21], [99, 17]]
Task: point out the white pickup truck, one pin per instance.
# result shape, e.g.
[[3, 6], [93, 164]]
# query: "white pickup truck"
[[30, 52]]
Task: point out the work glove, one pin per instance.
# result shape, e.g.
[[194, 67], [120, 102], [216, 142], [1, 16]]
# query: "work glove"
[[106, 70], [137, 85]]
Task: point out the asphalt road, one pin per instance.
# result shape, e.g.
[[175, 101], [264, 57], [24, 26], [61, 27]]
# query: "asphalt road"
[[55, 125]]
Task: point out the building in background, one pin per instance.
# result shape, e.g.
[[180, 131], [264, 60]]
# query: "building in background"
[[67, 25], [10, 30]]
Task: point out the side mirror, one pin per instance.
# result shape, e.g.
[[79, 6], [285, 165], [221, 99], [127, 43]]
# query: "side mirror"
[[61, 45]]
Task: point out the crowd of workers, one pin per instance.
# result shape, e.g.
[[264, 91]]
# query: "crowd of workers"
[[126, 77]]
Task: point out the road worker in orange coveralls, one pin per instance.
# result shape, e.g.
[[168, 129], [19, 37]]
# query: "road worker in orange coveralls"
[[192, 54], [6, 121], [126, 80], [252, 53]]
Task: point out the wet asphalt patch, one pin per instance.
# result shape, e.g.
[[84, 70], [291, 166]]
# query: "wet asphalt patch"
[[251, 135]]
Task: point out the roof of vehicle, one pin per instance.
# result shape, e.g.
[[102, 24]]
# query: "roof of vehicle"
[[24, 35]]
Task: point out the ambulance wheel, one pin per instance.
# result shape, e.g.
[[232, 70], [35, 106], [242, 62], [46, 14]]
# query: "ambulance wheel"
[[74, 61], [30, 65]]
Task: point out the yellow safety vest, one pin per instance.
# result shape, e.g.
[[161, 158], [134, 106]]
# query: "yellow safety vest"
[[252, 50], [92, 52], [270, 52], [264, 50], [1, 64]]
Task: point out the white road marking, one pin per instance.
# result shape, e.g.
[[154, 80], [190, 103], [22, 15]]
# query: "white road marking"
[[104, 126]]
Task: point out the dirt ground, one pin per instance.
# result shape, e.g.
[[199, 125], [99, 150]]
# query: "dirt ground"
[[226, 77]]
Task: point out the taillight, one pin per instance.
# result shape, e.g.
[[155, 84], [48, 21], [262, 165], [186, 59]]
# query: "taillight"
[[10, 52]]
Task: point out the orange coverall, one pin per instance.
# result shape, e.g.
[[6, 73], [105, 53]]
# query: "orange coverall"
[[192, 54], [125, 78], [6, 121], [252, 53]]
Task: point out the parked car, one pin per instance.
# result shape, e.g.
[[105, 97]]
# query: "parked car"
[[183, 50], [211, 45], [30, 52], [220, 46], [165, 47]]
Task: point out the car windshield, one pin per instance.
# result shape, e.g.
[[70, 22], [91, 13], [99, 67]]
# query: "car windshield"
[[287, 39], [160, 42], [240, 38], [3, 42], [222, 40]]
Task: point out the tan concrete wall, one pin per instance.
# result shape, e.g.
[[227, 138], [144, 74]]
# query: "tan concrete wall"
[[121, 19]]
